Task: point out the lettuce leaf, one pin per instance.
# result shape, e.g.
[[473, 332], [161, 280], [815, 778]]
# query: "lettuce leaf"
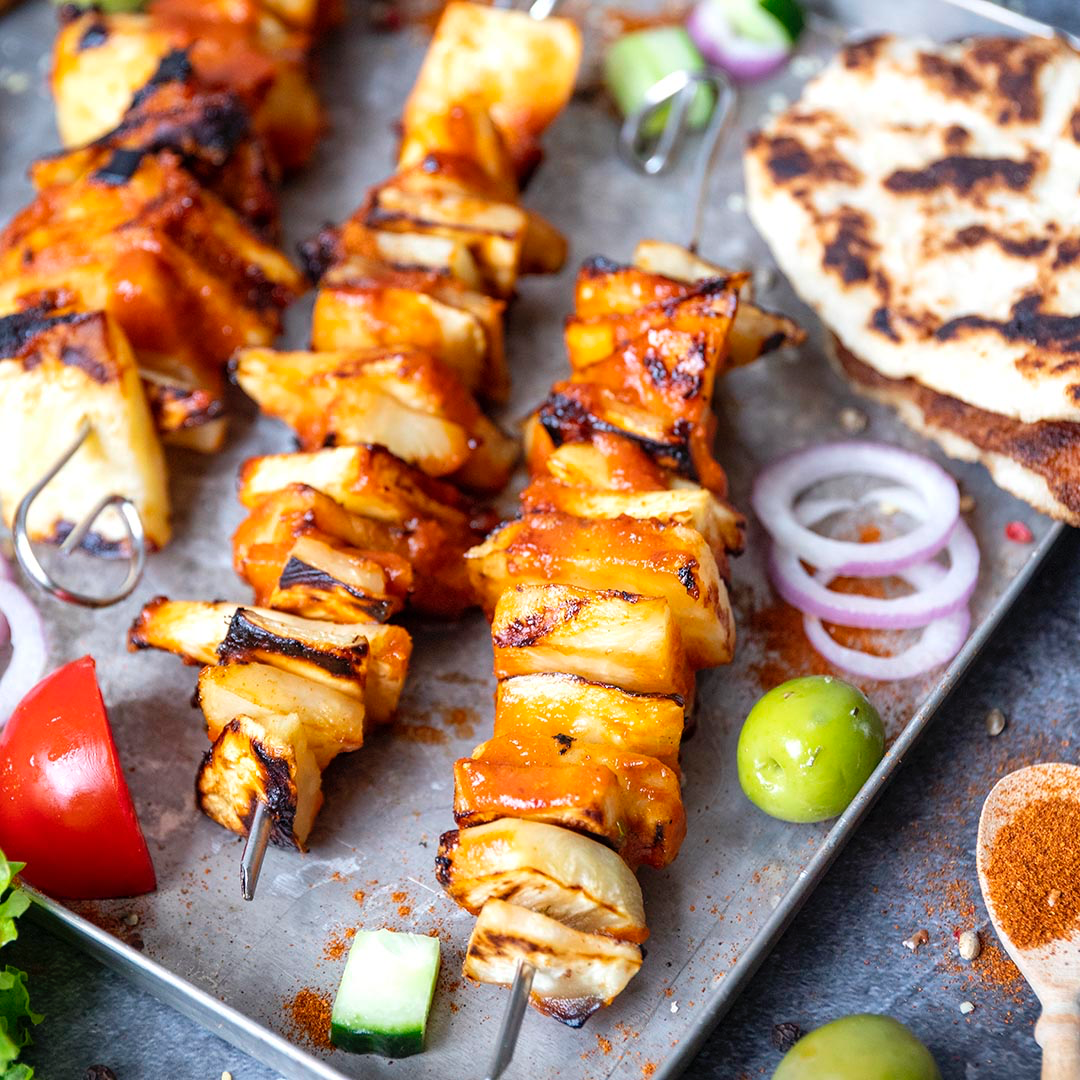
[[16, 1016]]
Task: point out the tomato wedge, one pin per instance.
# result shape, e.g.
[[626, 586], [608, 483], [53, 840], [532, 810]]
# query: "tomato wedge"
[[65, 808]]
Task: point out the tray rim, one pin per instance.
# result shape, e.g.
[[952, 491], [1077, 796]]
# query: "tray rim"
[[278, 1052]]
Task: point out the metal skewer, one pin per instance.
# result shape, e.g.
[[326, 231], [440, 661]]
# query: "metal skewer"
[[129, 515], [255, 850], [512, 1018], [676, 91], [538, 9]]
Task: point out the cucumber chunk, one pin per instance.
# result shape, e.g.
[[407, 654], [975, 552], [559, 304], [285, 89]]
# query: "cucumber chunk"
[[638, 61], [385, 994]]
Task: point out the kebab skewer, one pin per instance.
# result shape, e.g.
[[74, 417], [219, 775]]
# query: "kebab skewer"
[[142, 263], [607, 594], [377, 509]]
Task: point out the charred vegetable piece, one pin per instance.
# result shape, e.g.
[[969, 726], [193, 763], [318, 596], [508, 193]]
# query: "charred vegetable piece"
[[520, 71], [321, 582], [612, 637], [262, 760], [571, 709], [404, 400], [57, 371], [332, 722], [101, 61], [385, 995], [645, 557], [685, 503], [576, 973], [558, 873], [643, 817], [195, 630]]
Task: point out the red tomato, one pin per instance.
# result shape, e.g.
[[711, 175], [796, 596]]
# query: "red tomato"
[[65, 808]]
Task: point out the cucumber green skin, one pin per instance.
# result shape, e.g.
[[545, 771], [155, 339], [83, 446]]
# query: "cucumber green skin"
[[110, 7], [788, 14], [390, 1044], [639, 60]]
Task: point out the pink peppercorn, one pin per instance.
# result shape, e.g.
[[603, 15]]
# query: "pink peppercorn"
[[1019, 533]]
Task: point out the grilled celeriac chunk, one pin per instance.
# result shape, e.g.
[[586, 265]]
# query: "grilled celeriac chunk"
[[319, 581], [264, 759], [569, 709], [568, 877], [208, 127], [366, 480], [685, 503], [333, 722], [404, 400], [58, 371], [649, 821], [522, 72], [492, 231], [365, 304], [647, 558], [254, 637], [195, 631], [102, 60], [264, 540], [706, 309], [576, 973], [611, 637]]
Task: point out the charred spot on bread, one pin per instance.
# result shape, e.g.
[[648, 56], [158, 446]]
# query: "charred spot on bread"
[[963, 174]]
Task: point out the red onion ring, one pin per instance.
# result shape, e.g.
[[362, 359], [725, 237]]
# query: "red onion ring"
[[940, 641], [778, 486], [813, 511], [27, 663], [744, 60], [944, 596]]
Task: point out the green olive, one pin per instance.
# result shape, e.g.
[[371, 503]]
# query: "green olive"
[[807, 747], [861, 1047]]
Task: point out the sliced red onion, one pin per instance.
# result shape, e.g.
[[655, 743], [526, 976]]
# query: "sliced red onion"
[[809, 593], [27, 663], [779, 485], [889, 499], [744, 60], [939, 643]]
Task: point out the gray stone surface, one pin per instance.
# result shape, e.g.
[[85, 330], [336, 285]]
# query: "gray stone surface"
[[910, 867]]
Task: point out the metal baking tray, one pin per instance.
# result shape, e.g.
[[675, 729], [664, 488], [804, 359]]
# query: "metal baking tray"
[[741, 876]]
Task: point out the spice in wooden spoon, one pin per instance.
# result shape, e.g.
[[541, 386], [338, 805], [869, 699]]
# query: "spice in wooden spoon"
[[1028, 858]]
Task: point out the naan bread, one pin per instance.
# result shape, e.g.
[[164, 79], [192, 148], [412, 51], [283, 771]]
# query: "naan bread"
[[1039, 462], [925, 200]]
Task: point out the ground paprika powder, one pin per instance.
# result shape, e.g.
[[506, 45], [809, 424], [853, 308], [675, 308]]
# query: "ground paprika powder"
[[1033, 875]]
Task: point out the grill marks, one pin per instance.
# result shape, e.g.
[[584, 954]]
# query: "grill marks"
[[538, 624], [861, 55], [789, 159], [1021, 248], [948, 77], [1016, 64], [1028, 325], [851, 251], [965, 175]]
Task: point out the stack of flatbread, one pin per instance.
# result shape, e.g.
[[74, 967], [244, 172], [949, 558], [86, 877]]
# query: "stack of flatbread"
[[925, 200]]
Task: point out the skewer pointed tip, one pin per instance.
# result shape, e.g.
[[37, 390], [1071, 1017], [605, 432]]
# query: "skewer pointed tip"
[[254, 851], [512, 1018]]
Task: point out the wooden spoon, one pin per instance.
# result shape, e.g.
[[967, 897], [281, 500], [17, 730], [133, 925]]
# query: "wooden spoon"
[[1053, 970]]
